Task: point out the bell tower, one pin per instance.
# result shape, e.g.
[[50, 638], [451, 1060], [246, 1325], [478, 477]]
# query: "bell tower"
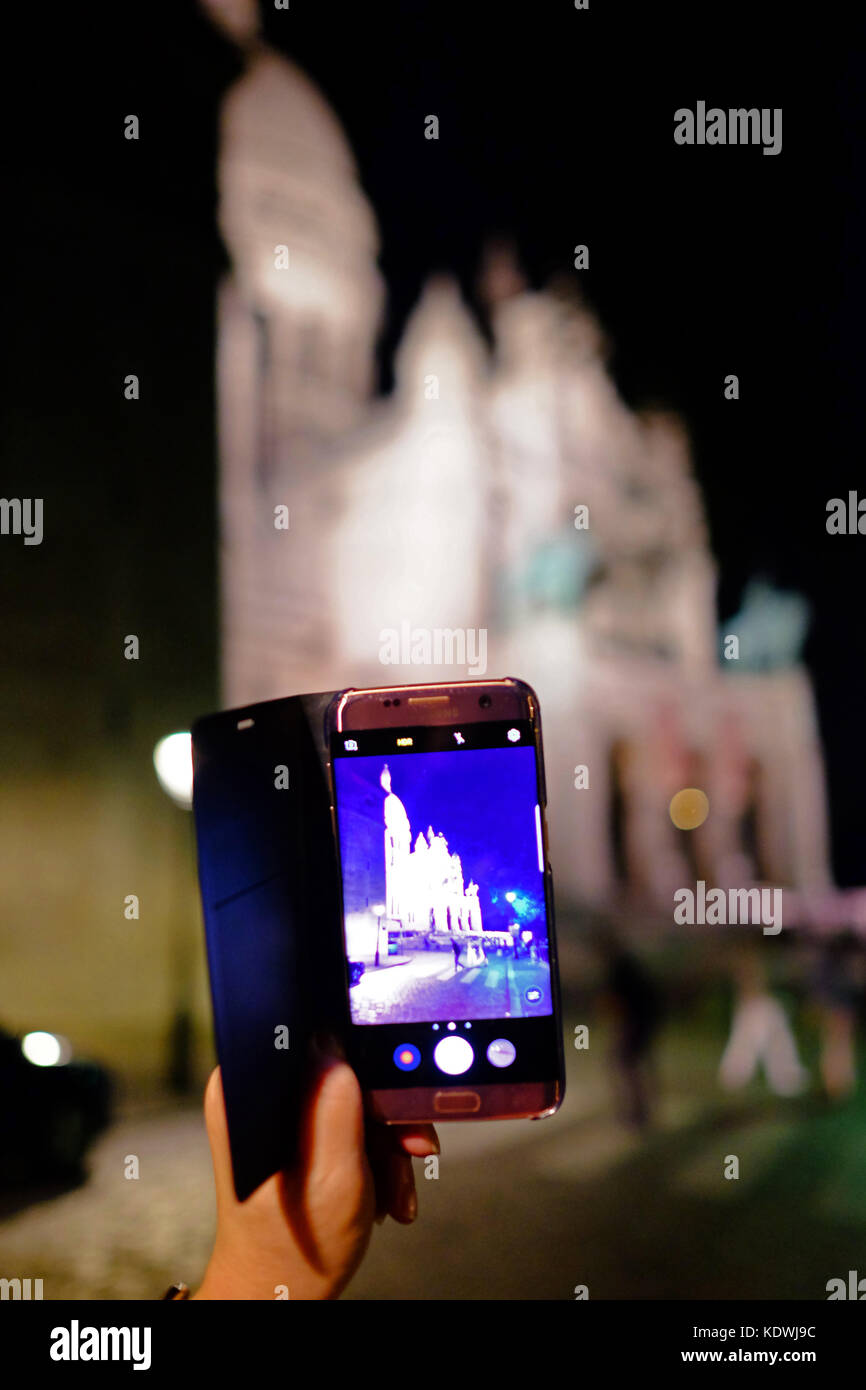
[[297, 322]]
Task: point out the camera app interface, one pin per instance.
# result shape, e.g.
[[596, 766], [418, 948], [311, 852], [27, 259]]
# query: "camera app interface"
[[443, 875]]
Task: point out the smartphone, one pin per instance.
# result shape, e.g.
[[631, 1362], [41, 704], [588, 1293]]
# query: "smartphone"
[[446, 899]]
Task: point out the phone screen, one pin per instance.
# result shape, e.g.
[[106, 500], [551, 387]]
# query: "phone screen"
[[445, 909]]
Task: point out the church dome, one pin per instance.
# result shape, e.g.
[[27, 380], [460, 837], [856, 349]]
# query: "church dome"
[[276, 116], [440, 340], [274, 112], [288, 179]]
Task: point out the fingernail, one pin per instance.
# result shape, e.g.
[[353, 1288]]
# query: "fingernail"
[[410, 1205], [423, 1148]]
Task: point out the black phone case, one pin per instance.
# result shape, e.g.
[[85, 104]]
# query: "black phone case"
[[270, 894]]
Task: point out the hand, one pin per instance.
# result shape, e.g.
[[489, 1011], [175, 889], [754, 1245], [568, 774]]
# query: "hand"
[[308, 1229]]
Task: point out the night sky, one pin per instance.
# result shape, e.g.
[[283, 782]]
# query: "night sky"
[[556, 128]]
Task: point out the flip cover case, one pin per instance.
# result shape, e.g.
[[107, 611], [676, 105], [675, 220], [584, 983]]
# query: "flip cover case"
[[270, 894]]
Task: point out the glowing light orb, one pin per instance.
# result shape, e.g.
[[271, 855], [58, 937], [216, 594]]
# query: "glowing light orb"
[[172, 759], [689, 808], [45, 1049]]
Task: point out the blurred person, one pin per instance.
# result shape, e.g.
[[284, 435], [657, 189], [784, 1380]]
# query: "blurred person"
[[307, 1230], [636, 1006], [836, 991], [760, 1035], [455, 947]]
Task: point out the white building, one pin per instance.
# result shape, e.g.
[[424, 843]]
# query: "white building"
[[452, 504]]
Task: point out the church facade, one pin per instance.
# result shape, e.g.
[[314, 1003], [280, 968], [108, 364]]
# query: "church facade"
[[510, 492]]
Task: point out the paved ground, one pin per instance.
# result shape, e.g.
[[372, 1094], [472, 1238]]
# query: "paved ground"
[[427, 985], [523, 1210], [116, 1237]]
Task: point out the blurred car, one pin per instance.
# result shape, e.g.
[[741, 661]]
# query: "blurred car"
[[53, 1105]]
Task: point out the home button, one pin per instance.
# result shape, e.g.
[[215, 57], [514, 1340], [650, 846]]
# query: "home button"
[[456, 1102]]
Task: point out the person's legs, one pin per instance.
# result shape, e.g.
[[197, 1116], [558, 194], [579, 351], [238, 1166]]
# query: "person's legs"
[[634, 1072], [782, 1066], [838, 1069], [740, 1057]]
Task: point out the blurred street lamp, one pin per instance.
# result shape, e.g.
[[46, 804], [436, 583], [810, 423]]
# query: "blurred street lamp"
[[46, 1049], [172, 760]]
